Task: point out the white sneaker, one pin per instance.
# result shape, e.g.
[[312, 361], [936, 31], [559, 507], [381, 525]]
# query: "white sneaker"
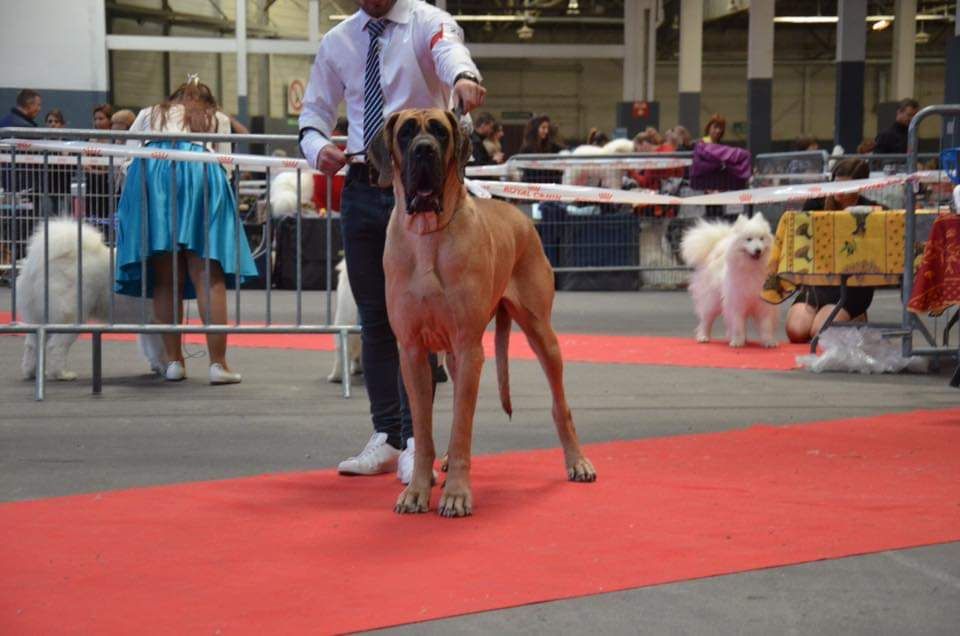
[[376, 457], [174, 371], [406, 461], [219, 375]]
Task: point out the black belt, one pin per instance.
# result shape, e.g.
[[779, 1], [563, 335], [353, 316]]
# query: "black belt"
[[359, 172]]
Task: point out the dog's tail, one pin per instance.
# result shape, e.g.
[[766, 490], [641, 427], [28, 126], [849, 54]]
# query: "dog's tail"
[[502, 347], [699, 241]]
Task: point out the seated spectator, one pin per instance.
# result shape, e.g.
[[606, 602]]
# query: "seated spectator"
[[540, 137], [122, 119], [866, 147], [493, 143], [55, 119], [715, 129], [482, 128], [893, 140], [101, 116], [597, 137], [814, 303], [28, 106], [648, 140], [680, 138]]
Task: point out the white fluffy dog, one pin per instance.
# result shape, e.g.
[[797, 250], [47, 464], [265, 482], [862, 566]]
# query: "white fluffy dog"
[[97, 280], [346, 314], [283, 194], [730, 264]]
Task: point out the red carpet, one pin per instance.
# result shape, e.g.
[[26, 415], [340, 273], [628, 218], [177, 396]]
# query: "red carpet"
[[576, 347], [316, 553]]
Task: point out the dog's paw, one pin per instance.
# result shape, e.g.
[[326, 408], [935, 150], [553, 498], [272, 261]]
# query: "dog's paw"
[[582, 470], [770, 344], [334, 378], [737, 343], [701, 338], [455, 502], [64, 376], [413, 500]]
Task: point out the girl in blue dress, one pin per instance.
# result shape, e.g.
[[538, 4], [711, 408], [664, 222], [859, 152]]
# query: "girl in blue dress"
[[147, 198]]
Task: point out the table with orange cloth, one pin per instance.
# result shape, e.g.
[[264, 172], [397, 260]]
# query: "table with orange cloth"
[[936, 286], [851, 247]]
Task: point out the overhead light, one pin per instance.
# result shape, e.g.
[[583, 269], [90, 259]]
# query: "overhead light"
[[806, 19], [875, 20], [525, 32], [922, 36], [573, 8]]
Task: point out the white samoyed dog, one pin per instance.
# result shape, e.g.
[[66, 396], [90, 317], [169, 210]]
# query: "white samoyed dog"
[[97, 280], [730, 266]]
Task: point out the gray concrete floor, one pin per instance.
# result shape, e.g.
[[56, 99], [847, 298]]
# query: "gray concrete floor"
[[286, 417]]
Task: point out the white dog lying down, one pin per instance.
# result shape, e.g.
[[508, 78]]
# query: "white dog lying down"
[[283, 200], [730, 262], [97, 280], [346, 314]]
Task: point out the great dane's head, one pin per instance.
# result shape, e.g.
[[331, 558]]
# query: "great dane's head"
[[423, 149]]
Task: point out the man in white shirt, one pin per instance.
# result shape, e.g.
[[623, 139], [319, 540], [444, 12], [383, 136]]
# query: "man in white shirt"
[[388, 56]]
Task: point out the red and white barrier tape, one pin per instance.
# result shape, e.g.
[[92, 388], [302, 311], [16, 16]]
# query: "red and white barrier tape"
[[95, 152]]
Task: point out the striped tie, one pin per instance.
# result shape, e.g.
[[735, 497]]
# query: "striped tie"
[[372, 93]]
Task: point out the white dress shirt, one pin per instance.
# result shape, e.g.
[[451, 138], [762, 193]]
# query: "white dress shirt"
[[421, 53]]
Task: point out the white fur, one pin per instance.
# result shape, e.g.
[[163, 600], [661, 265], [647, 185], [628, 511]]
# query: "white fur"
[[97, 280], [603, 178], [283, 194], [730, 265], [346, 314]]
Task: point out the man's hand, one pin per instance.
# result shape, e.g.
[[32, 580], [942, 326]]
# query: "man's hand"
[[468, 93], [330, 160]]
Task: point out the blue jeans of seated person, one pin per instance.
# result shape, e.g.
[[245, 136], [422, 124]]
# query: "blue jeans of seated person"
[[365, 212]]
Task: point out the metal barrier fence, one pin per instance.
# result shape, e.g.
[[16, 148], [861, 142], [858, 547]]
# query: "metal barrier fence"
[[34, 173], [912, 323], [610, 246]]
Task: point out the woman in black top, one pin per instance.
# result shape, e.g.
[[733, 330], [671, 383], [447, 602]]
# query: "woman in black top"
[[814, 303], [540, 138]]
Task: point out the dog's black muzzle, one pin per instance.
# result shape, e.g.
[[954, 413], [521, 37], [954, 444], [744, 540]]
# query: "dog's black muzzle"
[[423, 175]]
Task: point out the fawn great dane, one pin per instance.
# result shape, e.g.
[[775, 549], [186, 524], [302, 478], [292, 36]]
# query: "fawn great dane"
[[453, 263]]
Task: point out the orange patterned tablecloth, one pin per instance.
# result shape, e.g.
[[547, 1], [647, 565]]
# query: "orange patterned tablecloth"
[[817, 248], [936, 287]]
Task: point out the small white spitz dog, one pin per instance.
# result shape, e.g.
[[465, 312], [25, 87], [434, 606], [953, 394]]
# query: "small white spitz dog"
[[730, 266], [97, 280], [346, 314]]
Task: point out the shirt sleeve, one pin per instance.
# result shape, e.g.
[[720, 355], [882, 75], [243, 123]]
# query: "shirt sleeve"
[[450, 55], [324, 93]]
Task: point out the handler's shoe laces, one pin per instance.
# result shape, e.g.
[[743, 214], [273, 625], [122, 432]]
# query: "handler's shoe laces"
[[406, 461], [376, 457]]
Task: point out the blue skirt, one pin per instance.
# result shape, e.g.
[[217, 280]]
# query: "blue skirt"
[[222, 209]]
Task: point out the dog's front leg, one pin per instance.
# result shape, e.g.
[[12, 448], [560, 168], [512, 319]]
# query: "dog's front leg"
[[457, 500], [418, 380], [736, 328]]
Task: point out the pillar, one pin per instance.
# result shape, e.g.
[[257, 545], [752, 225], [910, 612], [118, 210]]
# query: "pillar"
[[851, 69], [904, 49], [691, 64], [638, 110], [760, 76], [951, 91]]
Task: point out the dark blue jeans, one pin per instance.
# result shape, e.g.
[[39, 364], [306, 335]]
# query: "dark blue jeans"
[[365, 211]]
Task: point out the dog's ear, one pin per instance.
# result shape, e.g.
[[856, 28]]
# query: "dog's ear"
[[380, 155], [460, 145]]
